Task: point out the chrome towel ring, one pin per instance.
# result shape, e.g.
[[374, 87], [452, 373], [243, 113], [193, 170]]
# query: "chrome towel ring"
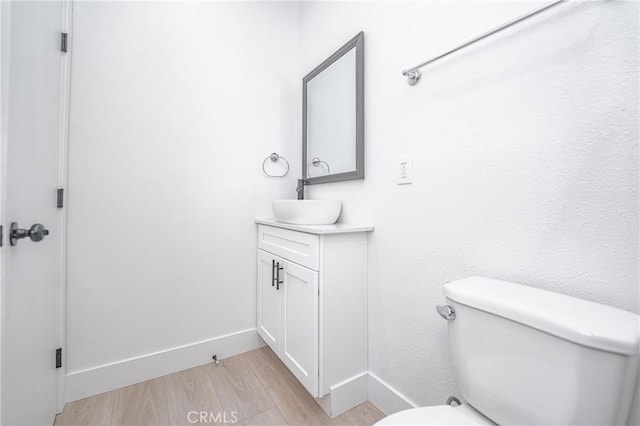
[[274, 157], [316, 162]]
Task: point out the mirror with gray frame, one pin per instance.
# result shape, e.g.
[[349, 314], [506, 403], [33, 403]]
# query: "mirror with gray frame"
[[333, 117]]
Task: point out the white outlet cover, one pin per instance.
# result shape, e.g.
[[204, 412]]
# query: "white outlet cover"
[[405, 170]]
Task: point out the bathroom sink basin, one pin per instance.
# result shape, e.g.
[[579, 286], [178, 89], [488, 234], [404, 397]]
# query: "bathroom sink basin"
[[307, 212]]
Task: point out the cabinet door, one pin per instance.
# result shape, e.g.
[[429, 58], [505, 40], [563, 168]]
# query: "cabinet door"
[[269, 301], [299, 345]]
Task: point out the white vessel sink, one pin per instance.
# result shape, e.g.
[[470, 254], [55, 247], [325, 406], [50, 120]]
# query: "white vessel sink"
[[307, 212]]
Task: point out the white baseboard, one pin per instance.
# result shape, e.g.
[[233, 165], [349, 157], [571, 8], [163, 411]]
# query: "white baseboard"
[[386, 398], [345, 395], [107, 377]]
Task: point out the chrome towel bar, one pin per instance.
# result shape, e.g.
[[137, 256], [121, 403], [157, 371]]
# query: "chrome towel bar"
[[414, 74]]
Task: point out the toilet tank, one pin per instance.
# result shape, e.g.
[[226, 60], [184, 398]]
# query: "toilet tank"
[[529, 356]]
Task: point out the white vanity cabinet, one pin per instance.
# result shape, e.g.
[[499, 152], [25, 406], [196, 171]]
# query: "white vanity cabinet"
[[288, 315], [312, 307]]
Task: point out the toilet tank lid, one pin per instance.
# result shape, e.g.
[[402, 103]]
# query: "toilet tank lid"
[[580, 321]]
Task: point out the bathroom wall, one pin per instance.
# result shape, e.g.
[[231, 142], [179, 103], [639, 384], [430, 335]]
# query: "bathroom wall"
[[525, 156], [524, 147], [174, 107]]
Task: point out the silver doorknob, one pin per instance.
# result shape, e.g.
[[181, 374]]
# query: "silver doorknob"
[[37, 232]]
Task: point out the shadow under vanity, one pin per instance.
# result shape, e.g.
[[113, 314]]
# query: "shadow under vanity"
[[312, 307]]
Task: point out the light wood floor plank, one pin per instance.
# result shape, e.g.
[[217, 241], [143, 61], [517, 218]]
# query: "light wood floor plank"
[[191, 391], [141, 404], [287, 393], [364, 414], [256, 385], [238, 388], [93, 411], [269, 368], [271, 417]]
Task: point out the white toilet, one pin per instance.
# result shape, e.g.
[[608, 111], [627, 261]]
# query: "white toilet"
[[528, 356]]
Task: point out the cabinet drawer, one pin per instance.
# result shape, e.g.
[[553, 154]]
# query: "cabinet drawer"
[[298, 247]]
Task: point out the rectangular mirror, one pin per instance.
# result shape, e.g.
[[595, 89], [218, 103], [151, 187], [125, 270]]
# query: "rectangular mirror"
[[333, 117]]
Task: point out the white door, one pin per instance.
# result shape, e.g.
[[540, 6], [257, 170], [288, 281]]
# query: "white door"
[[268, 300], [300, 324], [30, 288]]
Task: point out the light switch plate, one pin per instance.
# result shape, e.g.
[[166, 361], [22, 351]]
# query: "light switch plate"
[[405, 170]]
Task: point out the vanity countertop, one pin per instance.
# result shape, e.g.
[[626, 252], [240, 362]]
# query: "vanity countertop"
[[336, 228]]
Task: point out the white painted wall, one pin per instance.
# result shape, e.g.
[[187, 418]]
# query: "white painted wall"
[[174, 106], [525, 155], [525, 158]]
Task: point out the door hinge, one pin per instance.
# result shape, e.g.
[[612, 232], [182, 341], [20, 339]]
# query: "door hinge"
[[60, 198], [63, 42], [1, 235], [59, 358]]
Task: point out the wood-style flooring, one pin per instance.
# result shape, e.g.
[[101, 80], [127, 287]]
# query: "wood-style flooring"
[[253, 388]]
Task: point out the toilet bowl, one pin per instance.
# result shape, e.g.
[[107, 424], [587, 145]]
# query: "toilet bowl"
[[523, 355], [443, 415]]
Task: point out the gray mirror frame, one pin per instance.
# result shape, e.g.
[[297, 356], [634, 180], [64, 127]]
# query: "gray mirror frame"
[[358, 173]]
